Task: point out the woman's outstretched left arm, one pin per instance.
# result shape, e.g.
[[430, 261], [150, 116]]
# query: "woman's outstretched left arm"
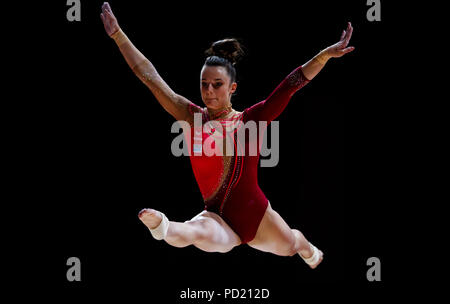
[[339, 49], [272, 106]]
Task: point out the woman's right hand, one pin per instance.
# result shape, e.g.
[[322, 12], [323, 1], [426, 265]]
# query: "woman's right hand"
[[109, 20]]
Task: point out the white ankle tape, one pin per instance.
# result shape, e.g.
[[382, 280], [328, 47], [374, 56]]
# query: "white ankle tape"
[[314, 258], [160, 232]]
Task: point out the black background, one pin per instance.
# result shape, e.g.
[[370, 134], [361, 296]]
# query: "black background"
[[95, 149]]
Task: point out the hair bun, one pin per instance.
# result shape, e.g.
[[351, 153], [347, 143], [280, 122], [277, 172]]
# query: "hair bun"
[[229, 49]]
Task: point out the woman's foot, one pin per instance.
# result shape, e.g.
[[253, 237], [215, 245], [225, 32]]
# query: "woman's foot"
[[150, 217], [308, 254]]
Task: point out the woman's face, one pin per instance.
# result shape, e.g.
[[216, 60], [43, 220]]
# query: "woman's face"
[[215, 87]]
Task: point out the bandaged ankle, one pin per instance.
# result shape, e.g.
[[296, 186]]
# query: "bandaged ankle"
[[120, 37], [312, 260], [322, 57], [160, 232]]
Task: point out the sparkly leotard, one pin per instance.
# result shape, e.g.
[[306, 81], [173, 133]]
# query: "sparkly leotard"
[[229, 183]]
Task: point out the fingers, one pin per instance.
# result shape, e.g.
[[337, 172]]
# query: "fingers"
[[348, 35], [102, 17], [347, 50], [345, 36], [107, 8], [108, 16]]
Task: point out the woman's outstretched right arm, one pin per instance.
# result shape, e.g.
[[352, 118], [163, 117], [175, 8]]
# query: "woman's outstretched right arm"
[[176, 105]]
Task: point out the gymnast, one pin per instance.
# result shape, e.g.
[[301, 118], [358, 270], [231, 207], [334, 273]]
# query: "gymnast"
[[236, 210]]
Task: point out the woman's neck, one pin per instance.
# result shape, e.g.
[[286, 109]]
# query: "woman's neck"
[[219, 113]]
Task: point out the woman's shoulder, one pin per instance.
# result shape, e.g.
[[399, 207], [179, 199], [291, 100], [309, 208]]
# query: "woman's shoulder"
[[193, 108]]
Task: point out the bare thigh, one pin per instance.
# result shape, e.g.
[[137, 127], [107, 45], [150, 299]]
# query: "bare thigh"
[[214, 234], [274, 235]]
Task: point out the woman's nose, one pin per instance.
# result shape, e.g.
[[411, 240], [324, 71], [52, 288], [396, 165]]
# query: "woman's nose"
[[209, 87]]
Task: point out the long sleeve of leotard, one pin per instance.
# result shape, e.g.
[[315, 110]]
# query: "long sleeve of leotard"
[[272, 106]]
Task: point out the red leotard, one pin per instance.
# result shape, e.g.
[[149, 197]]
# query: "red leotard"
[[229, 184]]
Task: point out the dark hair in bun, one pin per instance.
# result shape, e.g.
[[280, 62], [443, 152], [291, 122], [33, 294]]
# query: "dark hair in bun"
[[226, 53]]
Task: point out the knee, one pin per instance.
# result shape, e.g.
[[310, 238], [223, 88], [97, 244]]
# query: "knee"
[[208, 238]]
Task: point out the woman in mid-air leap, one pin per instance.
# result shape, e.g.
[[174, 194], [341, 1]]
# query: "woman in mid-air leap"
[[236, 210]]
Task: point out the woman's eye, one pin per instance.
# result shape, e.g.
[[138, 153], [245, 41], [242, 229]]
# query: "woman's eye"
[[216, 85]]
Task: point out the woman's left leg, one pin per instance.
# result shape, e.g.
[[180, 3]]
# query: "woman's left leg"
[[275, 236]]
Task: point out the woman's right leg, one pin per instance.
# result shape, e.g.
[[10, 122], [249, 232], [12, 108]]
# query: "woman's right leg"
[[206, 231]]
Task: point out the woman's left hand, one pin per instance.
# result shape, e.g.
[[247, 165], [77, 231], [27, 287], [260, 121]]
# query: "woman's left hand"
[[340, 48]]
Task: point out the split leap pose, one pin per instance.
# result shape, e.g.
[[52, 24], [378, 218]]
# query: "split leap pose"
[[236, 210]]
